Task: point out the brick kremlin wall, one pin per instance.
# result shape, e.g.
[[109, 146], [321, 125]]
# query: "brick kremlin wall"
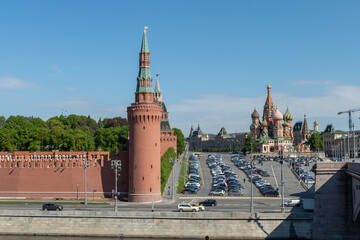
[[167, 140], [56, 175]]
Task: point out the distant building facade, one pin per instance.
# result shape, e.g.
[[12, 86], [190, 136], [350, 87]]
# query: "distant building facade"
[[198, 141], [337, 145]]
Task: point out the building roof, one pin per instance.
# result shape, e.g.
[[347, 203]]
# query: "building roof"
[[255, 114], [222, 132], [288, 116], [277, 115], [305, 128], [144, 44], [329, 128], [269, 101], [264, 123], [298, 126], [165, 126], [144, 72]]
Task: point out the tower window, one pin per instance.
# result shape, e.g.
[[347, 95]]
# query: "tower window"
[[151, 166], [150, 189], [143, 127], [143, 178]]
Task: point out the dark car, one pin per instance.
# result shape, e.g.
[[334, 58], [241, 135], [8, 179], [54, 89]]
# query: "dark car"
[[52, 206], [209, 202]]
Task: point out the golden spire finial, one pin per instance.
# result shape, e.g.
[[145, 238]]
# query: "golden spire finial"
[[145, 28], [268, 86]]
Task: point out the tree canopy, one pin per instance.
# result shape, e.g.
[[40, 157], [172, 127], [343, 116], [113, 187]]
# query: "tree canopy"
[[316, 142], [64, 133], [250, 141], [180, 141]]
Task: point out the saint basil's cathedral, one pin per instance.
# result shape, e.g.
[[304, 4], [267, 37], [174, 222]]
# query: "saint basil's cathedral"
[[275, 131]]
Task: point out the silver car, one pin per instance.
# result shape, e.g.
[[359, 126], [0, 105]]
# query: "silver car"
[[185, 207]]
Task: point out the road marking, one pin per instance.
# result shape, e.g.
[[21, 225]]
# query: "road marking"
[[219, 197], [202, 177], [274, 176]]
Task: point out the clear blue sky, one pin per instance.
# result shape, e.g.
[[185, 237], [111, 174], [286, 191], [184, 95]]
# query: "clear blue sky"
[[214, 58]]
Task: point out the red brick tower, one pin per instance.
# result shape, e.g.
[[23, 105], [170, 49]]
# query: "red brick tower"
[[144, 118]]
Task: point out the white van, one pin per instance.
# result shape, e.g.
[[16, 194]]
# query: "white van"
[[292, 203]]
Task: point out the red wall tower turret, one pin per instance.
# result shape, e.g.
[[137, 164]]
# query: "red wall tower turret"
[[144, 118]]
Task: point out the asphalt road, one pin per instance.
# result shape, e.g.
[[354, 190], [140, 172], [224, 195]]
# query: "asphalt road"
[[235, 204]]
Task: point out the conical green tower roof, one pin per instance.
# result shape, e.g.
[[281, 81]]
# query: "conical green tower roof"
[[144, 44]]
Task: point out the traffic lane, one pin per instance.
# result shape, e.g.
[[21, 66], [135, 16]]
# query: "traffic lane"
[[224, 205], [206, 177], [242, 175]]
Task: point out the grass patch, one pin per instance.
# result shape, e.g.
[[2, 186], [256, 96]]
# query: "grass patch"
[[183, 174]]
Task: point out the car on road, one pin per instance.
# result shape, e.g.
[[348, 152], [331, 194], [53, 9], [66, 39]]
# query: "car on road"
[[186, 207], [201, 208], [209, 202], [292, 203], [52, 206]]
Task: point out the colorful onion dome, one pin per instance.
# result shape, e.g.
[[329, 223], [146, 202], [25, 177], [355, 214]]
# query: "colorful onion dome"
[[316, 123], [264, 123], [288, 116], [277, 115], [255, 114], [285, 124]]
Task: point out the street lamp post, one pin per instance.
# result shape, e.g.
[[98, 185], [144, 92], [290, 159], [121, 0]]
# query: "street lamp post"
[[172, 160], [116, 166], [282, 186], [85, 164], [251, 182], [77, 191], [353, 134]]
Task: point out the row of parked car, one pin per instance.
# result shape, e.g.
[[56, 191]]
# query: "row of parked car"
[[194, 180], [255, 176], [304, 175], [224, 179]]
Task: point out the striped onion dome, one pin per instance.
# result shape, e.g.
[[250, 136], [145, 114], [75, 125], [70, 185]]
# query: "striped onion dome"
[[288, 116], [277, 115], [264, 123], [255, 114]]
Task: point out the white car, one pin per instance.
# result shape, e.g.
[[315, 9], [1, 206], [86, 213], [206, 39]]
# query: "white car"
[[292, 203], [186, 207], [309, 181], [192, 184], [217, 193]]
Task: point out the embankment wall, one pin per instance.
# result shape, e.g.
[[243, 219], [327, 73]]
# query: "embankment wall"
[[166, 225]]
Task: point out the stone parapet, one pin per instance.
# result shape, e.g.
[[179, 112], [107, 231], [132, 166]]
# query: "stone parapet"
[[166, 225]]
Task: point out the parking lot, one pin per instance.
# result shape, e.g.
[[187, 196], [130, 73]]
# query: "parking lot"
[[292, 186]]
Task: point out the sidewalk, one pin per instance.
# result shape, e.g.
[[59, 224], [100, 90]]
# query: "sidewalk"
[[167, 194]]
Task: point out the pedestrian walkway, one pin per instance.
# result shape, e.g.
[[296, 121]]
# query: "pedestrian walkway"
[[167, 194]]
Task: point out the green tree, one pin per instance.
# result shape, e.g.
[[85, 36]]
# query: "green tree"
[[166, 166], [316, 142], [180, 145], [250, 141]]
